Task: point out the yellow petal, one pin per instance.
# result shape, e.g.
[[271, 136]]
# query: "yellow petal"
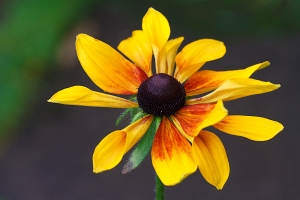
[[138, 49], [171, 154], [251, 127], [109, 152], [156, 27], [180, 129], [107, 68], [166, 57], [234, 89], [210, 155], [82, 96], [192, 119], [195, 54], [206, 80], [137, 130]]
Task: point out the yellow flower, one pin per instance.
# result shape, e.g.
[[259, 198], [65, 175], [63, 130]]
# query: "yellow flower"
[[180, 143]]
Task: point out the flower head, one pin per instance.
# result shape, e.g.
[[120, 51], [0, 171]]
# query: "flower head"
[[165, 106]]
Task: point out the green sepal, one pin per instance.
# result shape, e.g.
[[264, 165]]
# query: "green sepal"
[[135, 114], [143, 147], [131, 111], [133, 98], [138, 114], [123, 114]]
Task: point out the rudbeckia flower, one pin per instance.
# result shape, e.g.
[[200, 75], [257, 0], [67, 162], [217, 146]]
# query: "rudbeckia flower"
[[180, 98]]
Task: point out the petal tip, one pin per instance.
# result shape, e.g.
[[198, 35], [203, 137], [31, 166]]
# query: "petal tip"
[[79, 36], [279, 128], [220, 186], [51, 100], [263, 65], [278, 85], [150, 9], [97, 170], [266, 63]]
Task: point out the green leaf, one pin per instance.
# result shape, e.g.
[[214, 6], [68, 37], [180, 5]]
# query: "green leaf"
[[143, 147]]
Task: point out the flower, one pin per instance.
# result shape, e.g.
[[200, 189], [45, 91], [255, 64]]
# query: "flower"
[[171, 95]]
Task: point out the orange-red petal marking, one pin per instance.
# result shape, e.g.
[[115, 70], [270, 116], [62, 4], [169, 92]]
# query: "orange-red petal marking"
[[171, 154], [206, 80], [235, 88], [194, 118]]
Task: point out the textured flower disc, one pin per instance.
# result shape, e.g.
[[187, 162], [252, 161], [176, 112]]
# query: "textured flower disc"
[[161, 95]]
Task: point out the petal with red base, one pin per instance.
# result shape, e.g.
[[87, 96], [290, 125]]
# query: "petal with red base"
[[171, 154], [207, 80], [192, 119], [234, 89]]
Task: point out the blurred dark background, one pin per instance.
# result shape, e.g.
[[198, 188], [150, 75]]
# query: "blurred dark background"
[[46, 149]]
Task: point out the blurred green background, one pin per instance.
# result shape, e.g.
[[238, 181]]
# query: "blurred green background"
[[38, 58]]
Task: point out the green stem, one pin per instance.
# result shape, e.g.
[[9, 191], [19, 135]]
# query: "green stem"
[[160, 189]]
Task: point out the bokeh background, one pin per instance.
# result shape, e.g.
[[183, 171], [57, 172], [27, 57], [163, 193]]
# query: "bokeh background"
[[46, 149]]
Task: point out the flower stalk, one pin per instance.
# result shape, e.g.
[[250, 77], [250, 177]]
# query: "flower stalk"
[[159, 189]]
